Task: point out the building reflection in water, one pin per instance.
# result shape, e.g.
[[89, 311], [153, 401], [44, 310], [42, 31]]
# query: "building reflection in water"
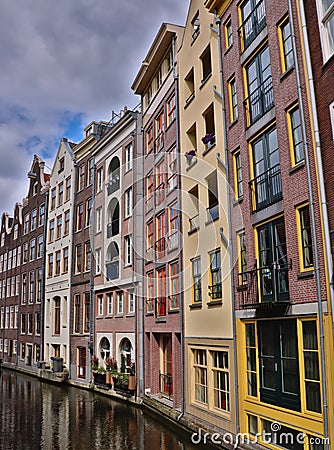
[[35, 415]]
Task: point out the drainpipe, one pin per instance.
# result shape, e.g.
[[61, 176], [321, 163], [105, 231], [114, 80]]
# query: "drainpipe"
[[229, 214], [5, 305], [309, 183], [134, 266], [73, 189], [43, 275], [91, 271], [140, 314], [179, 201]]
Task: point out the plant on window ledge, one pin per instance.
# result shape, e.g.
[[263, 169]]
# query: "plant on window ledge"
[[190, 154], [208, 138]]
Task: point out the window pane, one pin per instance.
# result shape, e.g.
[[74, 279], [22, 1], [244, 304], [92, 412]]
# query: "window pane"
[[313, 399]]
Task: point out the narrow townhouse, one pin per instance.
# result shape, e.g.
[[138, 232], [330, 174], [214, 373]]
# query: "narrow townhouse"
[[208, 303], [280, 292], [10, 285], [58, 248], [155, 82], [22, 266], [82, 254], [117, 242]]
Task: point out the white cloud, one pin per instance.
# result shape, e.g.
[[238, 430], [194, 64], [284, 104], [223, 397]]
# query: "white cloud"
[[63, 59]]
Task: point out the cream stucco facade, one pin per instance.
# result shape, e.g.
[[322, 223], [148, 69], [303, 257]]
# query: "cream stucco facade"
[[208, 312]]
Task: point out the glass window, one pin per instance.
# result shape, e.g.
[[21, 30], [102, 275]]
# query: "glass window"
[[251, 368], [150, 293], [286, 44], [296, 138], [221, 382], [228, 34], [305, 238], [233, 100], [238, 189], [197, 280], [311, 366], [215, 275], [200, 376]]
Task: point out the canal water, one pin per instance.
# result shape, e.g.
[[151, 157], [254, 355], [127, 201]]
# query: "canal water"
[[36, 415]]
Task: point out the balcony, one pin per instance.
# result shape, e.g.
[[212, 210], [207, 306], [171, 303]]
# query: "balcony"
[[213, 212], [160, 307], [113, 228], [194, 223], [265, 285], [166, 384], [113, 184], [215, 291], [112, 270], [159, 142], [253, 25], [260, 101], [266, 188], [173, 240]]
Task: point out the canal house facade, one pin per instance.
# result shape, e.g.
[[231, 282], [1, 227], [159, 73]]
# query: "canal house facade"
[[208, 302], [162, 268], [58, 248], [282, 310], [22, 269], [82, 254], [117, 231]]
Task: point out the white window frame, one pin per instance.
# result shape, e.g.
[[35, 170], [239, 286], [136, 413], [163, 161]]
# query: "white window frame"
[[323, 18], [128, 202]]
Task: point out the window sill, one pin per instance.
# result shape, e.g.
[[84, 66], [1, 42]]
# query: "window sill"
[[306, 274], [118, 316], [197, 305], [239, 200], [208, 222], [160, 319], [149, 314], [131, 314], [193, 162], [194, 230], [242, 287], [170, 124], [189, 100], [173, 311], [228, 49], [231, 124], [215, 303], [297, 167], [205, 80], [287, 72], [207, 150], [99, 317]]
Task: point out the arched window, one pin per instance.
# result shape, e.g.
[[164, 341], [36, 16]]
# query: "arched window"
[[112, 262], [104, 348], [113, 218], [113, 175]]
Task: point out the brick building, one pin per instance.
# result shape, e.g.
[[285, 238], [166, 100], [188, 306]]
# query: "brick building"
[[279, 277], [22, 261], [155, 84]]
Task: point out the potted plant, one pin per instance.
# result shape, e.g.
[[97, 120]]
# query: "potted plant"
[[111, 367], [132, 376], [208, 138], [190, 154], [100, 376], [95, 364]]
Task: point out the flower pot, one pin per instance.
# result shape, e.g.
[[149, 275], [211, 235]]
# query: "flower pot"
[[108, 378], [131, 382]]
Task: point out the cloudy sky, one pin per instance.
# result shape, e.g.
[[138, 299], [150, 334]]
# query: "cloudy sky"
[[63, 64]]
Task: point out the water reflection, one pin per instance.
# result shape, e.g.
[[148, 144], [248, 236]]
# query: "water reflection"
[[35, 415]]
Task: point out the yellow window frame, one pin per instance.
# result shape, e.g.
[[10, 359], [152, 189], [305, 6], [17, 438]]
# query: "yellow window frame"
[[289, 113], [299, 238], [285, 21], [237, 155]]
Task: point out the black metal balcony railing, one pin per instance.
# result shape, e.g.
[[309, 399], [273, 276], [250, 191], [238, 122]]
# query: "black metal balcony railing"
[[160, 307], [253, 24], [166, 384], [260, 101], [264, 285], [213, 212], [112, 270], [113, 228], [266, 188], [160, 247], [113, 183], [215, 291], [194, 223], [159, 142]]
